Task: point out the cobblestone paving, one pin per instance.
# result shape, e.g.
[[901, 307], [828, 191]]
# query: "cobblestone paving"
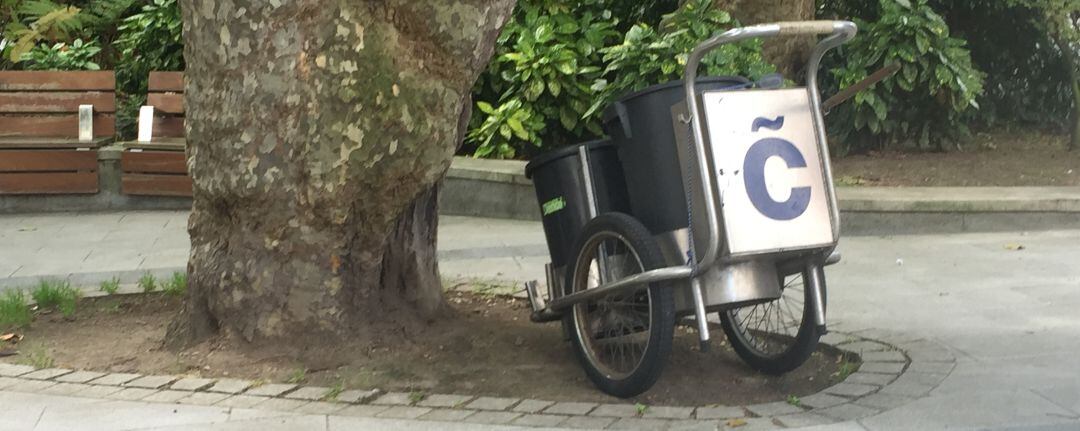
[[896, 370]]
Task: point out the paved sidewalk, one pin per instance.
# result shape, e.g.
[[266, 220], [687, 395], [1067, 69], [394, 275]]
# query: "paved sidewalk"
[[1008, 317], [91, 247], [58, 413]]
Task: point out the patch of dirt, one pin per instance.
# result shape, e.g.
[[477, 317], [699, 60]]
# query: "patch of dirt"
[[489, 347], [998, 158]]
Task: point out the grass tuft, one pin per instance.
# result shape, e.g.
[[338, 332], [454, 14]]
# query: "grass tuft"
[[298, 375], [416, 396], [14, 311], [58, 294], [334, 391], [36, 356], [147, 282], [794, 400], [847, 367], [110, 287], [176, 285]]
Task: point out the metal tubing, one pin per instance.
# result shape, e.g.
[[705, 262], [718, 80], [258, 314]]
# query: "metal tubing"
[[586, 171], [535, 300], [689, 79], [796, 266], [545, 315], [841, 32], [594, 207], [699, 313], [816, 284], [552, 280], [656, 275]]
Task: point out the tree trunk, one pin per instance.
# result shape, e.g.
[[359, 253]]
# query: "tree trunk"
[[1074, 140], [789, 54], [317, 132], [1073, 64]]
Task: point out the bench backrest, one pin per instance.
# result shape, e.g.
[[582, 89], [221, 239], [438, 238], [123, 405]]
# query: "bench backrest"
[[41, 104], [165, 93]]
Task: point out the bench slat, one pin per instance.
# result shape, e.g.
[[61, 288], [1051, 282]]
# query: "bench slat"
[[155, 185], [48, 183], [57, 81], [161, 144], [64, 125], [32, 102], [169, 127], [169, 103], [166, 81], [154, 162], [48, 161], [26, 142]]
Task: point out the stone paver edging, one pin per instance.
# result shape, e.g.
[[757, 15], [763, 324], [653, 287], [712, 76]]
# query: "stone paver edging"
[[896, 370]]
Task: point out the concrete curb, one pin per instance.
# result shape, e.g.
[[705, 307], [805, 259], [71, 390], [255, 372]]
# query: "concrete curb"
[[896, 370], [499, 189]]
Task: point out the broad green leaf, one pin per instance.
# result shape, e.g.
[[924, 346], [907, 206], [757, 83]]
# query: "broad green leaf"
[[517, 128], [555, 88]]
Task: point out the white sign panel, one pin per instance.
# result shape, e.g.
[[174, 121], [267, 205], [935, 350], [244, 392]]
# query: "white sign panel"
[[769, 172], [146, 123]]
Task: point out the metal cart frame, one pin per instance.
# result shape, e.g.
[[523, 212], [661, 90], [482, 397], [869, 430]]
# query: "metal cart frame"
[[699, 172]]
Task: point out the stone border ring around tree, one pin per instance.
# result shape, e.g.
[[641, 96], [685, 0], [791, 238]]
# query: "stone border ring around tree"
[[896, 370]]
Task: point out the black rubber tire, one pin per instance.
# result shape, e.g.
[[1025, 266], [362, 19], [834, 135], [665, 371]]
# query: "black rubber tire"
[[806, 339], [661, 315]]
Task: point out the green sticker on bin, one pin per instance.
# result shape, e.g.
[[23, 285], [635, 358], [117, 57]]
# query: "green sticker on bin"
[[554, 205]]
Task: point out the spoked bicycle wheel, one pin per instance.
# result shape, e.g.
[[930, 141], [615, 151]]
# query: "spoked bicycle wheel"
[[622, 339], [778, 336]]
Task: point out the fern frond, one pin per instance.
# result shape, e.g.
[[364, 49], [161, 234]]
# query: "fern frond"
[[100, 14], [55, 24], [32, 10]]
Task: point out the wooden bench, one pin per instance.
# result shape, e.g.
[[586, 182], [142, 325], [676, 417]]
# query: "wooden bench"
[[40, 147], [158, 167]]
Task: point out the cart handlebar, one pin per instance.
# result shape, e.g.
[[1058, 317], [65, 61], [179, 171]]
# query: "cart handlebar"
[[838, 33], [800, 28]]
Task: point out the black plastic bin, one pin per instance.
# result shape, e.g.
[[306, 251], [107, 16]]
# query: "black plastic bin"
[[560, 189], [640, 124]]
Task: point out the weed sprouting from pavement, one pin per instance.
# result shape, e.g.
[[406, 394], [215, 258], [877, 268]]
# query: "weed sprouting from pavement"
[[416, 396], [298, 375], [847, 366], [334, 391], [641, 409], [794, 400]]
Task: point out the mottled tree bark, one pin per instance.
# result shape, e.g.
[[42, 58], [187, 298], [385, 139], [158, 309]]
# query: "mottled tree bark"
[[789, 54], [317, 131], [1073, 64]]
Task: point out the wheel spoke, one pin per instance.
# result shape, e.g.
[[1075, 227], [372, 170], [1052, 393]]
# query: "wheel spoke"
[[770, 328], [618, 324]]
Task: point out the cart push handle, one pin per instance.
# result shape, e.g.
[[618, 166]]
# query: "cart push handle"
[[838, 32], [809, 28]]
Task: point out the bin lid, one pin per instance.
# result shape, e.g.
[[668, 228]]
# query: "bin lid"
[[735, 81], [559, 153]]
